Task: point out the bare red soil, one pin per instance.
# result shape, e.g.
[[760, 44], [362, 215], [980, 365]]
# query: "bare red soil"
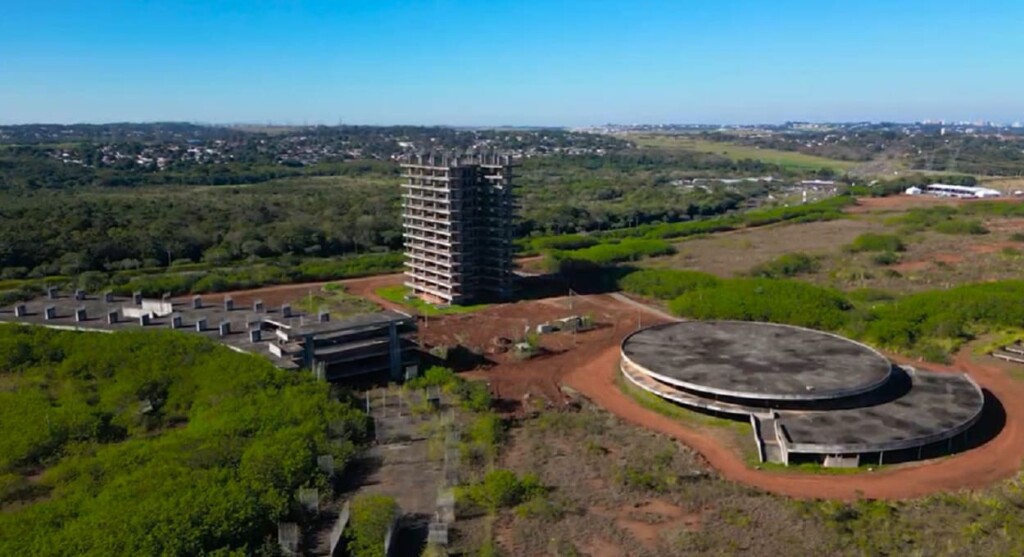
[[903, 202]]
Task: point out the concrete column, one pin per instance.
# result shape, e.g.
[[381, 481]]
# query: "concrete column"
[[137, 298], [108, 297], [20, 310], [112, 317], [79, 294], [229, 304], [50, 313], [257, 306], [175, 321], [224, 328], [323, 317], [144, 320], [201, 324], [255, 335], [394, 351], [80, 315], [51, 292], [286, 311], [197, 302], [308, 351]]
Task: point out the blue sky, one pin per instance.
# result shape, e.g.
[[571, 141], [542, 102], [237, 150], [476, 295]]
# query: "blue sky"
[[497, 62]]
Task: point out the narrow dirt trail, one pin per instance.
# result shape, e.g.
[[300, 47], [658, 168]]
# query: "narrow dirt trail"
[[997, 460]]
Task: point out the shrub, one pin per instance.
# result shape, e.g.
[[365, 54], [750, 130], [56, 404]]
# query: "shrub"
[[877, 242], [370, 517], [955, 315], [562, 242], [787, 265], [885, 258], [501, 489], [961, 226], [665, 284], [629, 249], [778, 301]]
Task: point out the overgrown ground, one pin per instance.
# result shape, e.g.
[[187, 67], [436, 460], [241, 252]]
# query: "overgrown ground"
[[620, 490], [334, 298], [930, 259]]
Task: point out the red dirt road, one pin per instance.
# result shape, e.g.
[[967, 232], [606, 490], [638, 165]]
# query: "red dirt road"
[[997, 460]]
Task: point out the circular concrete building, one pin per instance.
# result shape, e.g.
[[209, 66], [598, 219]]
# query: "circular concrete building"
[[809, 395]]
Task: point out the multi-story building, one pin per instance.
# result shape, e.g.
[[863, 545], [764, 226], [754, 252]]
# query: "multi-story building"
[[457, 222]]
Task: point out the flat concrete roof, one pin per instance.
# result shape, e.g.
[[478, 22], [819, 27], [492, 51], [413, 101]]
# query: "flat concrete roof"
[[762, 361], [937, 407], [214, 313]]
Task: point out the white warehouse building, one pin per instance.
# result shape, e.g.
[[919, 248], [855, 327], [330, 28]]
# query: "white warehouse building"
[[949, 190]]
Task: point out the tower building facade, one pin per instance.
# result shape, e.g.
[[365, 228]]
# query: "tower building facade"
[[457, 222]]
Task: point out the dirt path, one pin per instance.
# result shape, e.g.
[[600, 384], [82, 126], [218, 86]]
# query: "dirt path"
[[997, 460]]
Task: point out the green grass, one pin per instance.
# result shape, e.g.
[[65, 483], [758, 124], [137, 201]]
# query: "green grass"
[[672, 410], [336, 300], [400, 295], [785, 159]]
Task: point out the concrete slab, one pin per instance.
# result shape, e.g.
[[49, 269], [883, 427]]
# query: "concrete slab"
[[760, 361]]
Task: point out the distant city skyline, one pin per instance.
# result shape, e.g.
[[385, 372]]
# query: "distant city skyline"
[[510, 63]]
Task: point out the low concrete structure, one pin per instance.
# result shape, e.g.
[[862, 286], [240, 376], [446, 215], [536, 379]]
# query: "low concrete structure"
[[341, 348], [809, 395]]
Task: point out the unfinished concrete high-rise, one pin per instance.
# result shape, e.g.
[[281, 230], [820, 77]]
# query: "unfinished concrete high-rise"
[[457, 223]]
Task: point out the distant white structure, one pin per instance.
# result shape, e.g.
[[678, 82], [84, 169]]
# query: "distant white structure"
[[949, 190], [818, 183]]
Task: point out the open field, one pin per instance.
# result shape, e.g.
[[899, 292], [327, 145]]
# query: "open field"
[[931, 259], [732, 253], [785, 159]]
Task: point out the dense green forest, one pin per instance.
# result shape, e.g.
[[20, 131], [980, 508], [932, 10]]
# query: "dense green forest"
[[155, 443], [88, 228]]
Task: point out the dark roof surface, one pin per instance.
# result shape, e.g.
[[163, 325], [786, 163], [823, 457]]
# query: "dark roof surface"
[[757, 360]]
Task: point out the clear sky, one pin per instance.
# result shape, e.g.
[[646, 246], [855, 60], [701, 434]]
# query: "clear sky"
[[519, 62]]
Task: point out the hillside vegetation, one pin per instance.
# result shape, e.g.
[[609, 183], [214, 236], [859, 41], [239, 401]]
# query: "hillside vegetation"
[[931, 324], [154, 443]]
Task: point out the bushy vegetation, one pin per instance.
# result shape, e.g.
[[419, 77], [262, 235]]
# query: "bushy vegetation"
[[370, 518], [154, 443], [628, 249], [472, 395], [877, 242], [757, 299], [885, 258], [948, 317], [500, 489], [787, 265], [946, 220], [401, 295], [665, 284], [562, 242], [930, 324], [257, 275], [961, 226]]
